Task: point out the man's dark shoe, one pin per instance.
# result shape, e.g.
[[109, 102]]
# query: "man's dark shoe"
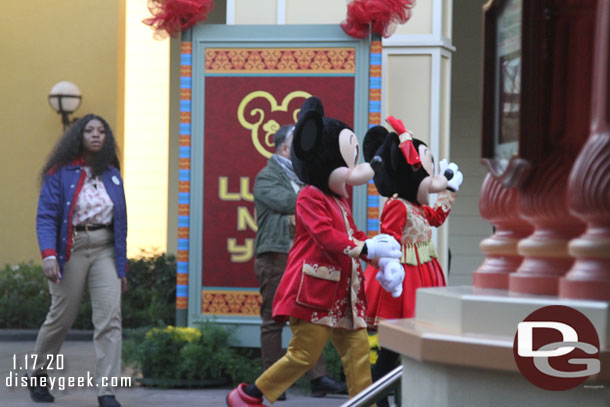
[[325, 385], [108, 401], [282, 397], [383, 402], [38, 393]]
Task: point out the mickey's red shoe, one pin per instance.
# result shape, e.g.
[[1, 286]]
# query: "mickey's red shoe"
[[238, 398]]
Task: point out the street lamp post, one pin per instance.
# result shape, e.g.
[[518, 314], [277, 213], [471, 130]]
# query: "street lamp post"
[[65, 97]]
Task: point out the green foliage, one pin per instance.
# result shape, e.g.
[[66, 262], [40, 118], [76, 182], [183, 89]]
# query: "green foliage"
[[24, 296], [333, 363], [245, 366], [155, 355], [374, 346], [150, 298], [188, 356]]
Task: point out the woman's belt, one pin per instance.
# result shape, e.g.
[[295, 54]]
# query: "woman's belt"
[[90, 228], [425, 251]]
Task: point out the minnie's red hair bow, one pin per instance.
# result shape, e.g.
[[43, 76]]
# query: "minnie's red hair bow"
[[406, 141]]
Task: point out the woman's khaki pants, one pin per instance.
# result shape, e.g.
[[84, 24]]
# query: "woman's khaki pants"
[[92, 263], [308, 341]]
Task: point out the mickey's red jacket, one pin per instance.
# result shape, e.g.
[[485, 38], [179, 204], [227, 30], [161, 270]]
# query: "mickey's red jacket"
[[323, 282]]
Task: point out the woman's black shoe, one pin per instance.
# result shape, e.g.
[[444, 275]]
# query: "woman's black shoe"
[[108, 401], [38, 393], [324, 385]]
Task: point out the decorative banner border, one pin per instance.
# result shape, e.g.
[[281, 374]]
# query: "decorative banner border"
[[231, 302], [372, 206], [280, 61], [272, 67], [240, 305], [184, 182]]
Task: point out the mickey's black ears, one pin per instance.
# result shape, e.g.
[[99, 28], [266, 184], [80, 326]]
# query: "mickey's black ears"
[[308, 130], [311, 104]]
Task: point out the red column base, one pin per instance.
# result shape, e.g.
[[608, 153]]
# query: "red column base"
[[588, 279], [539, 276], [495, 270], [533, 284], [584, 290]]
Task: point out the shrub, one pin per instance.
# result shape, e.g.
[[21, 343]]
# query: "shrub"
[[333, 363], [171, 356], [24, 296], [150, 298], [245, 367], [374, 346]]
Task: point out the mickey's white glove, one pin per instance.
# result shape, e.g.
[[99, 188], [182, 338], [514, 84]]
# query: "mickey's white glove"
[[390, 276], [452, 173], [382, 245]]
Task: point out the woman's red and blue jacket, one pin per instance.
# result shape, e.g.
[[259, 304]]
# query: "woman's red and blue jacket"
[[60, 189]]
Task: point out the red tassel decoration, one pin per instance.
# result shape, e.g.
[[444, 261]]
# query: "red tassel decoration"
[[380, 16], [170, 17]]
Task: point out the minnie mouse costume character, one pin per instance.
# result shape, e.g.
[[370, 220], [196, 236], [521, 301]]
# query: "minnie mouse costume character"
[[405, 173], [322, 291]]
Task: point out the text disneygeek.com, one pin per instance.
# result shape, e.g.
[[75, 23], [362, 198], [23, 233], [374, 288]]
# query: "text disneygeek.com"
[[55, 363], [63, 382]]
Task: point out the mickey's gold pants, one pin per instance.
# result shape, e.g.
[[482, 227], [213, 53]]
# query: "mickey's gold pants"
[[308, 341]]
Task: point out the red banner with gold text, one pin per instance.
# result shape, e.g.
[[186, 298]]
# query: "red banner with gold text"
[[242, 112]]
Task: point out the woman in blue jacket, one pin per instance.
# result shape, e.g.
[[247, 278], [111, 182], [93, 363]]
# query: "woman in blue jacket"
[[82, 228]]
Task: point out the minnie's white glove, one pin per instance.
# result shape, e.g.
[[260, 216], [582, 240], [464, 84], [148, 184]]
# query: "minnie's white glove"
[[452, 173], [390, 276], [382, 245]]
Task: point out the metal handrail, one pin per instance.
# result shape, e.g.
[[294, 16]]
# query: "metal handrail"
[[376, 391]]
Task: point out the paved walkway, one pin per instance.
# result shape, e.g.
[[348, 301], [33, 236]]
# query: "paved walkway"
[[80, 359]]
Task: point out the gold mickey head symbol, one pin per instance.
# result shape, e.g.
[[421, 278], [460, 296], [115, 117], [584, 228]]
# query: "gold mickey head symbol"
[[269, 126]]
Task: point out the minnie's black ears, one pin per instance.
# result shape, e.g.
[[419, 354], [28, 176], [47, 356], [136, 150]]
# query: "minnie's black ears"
[[373, 139], [308, 130], [396, 157]]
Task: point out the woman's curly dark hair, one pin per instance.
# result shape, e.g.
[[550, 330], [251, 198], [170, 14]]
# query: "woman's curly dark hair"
[[70, 147]]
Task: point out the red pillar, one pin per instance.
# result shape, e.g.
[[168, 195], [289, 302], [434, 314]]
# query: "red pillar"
[[500, 206], [589, 184], [545, 252], [567, 64]]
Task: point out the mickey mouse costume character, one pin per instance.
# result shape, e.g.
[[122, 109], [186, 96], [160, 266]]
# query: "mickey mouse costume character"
[[404, 171], [322, 291]]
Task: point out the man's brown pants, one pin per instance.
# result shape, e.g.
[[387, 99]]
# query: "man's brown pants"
[[269, 269]]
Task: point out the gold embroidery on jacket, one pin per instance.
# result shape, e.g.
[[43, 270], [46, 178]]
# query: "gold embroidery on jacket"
[[323, 272], [416, 239]]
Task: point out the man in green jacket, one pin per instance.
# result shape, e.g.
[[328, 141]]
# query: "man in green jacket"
[[275, 194]]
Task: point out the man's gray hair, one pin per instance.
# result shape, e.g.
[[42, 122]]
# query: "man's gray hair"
[[282, 135]]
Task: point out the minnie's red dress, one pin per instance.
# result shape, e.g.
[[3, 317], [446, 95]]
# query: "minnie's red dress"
[[411, 225]]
